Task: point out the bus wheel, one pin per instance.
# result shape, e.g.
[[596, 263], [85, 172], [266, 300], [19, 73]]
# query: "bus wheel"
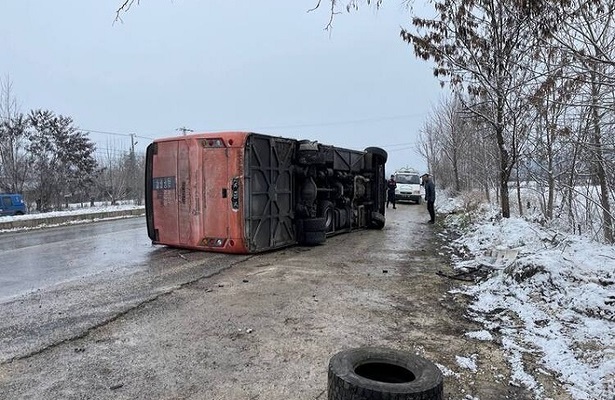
[[373, 373], [377, 221], [314, 225], [327, 211], [378, 152], [311, 231], [313, 238]]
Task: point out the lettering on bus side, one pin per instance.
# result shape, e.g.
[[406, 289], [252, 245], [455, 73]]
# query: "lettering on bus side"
[[163, 183], [165, 189], [235, 194]]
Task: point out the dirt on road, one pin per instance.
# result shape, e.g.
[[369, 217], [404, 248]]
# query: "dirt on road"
[[266, 327]]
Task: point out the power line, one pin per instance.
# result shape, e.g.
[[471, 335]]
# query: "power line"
[[398, 144], [102, 132], [346, 122], [402, 149], [115, 133], [184, 130]]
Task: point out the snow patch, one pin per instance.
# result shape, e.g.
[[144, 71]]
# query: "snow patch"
[[480, 335], [554, 304], [467, 362]]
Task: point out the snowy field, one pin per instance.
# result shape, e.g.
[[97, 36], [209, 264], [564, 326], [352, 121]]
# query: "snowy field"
[[543, 294]]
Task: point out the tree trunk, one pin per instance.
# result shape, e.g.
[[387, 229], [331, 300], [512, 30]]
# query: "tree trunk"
[[504, 195], [504, 172], [599, 162], [519, 193]]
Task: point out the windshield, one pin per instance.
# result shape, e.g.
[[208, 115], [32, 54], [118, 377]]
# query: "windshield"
[[411, 179]]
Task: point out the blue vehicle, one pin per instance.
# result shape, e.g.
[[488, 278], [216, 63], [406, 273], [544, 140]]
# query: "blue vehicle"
[[12, 204]]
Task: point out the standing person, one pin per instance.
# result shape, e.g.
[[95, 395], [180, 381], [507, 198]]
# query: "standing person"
[[391, 186], [430, 196]]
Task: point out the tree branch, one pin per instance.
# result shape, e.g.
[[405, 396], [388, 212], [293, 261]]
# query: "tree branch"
[[124, 8]]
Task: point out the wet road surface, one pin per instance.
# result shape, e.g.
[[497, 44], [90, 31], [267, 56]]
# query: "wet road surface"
[[32, 260]]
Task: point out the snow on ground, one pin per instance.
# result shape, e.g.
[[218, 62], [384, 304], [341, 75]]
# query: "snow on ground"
[[74, 209], [467, 362], [551, 298]]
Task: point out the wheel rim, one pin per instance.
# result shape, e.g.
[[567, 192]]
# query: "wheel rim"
[[329, 219]]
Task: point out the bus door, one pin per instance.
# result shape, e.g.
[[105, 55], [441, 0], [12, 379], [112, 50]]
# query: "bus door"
[[215, 184], [189, 193]]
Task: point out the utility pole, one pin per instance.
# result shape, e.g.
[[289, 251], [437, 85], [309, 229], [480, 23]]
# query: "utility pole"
[[132, 160], [183, 130], [132, 143]]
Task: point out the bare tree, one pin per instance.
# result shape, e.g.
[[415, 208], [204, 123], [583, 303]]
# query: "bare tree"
[[478, 46], [124, 7], [116, 174], [588, 40], [453, 142], [14, 160]]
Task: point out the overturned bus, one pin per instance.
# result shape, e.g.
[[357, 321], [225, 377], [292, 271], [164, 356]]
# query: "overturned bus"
[[243, 192]]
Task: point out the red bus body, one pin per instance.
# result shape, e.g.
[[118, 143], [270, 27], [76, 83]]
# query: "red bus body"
[[242, 192]]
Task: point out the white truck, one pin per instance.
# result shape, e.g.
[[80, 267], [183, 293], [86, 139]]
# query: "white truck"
[[409, 186]]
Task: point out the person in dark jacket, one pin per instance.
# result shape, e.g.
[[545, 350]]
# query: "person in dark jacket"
[[391, 186], [430, 196]]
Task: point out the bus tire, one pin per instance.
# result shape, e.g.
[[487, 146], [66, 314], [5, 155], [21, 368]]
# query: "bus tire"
[[372, 373], [381, 153], [313, 238], [327, 211], [314, 225], [344, 219], [378, 221]]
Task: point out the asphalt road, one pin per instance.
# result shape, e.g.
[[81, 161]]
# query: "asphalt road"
[[32, 260]]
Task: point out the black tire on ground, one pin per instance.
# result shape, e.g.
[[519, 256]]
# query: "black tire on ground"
[[313, 238], [379, 152], [371, 373], [378, 221], [419, 201], [314, 225], [326, 210]]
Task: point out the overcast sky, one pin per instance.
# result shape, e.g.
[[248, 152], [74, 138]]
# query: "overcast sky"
[[267, 66]]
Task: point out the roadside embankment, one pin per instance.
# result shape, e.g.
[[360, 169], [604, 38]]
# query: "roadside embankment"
[[43, 220]]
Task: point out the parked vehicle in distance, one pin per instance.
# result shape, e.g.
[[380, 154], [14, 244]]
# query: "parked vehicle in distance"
[[12, 204], [409, 186], [244, 192]]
